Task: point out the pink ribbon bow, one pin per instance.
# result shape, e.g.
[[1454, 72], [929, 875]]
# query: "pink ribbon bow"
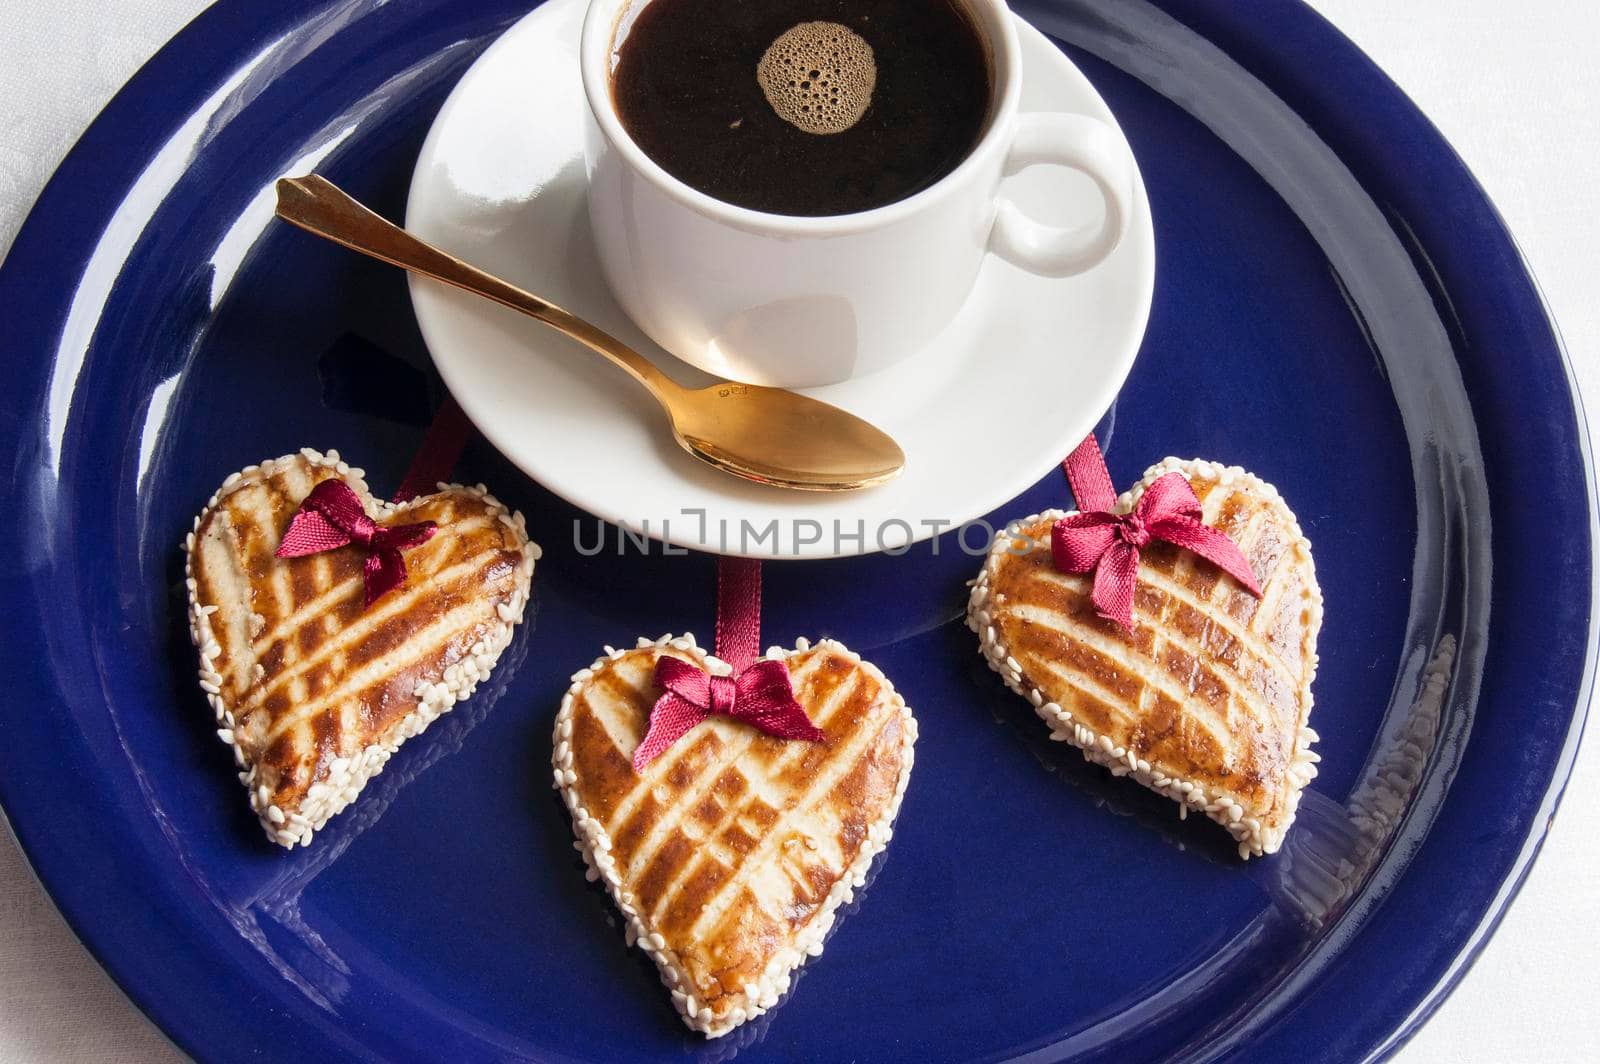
[[332, 516], [762, 696], [1108, 543]]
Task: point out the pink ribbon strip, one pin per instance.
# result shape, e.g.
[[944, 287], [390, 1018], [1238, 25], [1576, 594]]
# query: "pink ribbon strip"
[[1101, 541], [332, 517], [760, 693], [1089, 477], [738, 611], [441, 449]]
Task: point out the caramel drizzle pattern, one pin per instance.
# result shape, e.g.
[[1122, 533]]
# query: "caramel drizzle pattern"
[[685, 866], [1167, 590], [767, 814], [1159, 623], [313, 599], [733, 743]]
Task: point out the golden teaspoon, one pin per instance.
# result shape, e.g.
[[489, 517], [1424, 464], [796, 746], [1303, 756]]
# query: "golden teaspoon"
[[767, 435]]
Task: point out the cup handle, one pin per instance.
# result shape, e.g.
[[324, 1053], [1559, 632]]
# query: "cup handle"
[[1089, 146]]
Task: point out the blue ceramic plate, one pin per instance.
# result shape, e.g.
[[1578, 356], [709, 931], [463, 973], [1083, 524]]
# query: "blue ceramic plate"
[[1338, 308]]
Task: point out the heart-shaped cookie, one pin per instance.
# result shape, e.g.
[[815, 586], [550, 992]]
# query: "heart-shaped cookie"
[[312, 689], [1206, 700], [731, 852]]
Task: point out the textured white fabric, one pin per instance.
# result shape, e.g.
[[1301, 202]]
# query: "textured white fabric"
[[60, 62], [1514, 87]]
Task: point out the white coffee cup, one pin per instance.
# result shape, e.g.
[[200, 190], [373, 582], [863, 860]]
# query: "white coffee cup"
[[803, 301]]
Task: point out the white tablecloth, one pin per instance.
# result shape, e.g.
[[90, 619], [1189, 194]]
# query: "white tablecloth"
[[1514, 86]]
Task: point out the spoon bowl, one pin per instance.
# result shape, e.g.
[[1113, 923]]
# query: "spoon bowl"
[[733, 427]]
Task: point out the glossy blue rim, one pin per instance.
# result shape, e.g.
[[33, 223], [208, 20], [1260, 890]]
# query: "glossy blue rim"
[[1285, 45], [1290, 45]]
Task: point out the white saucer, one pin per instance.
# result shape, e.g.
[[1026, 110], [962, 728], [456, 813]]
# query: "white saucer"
[[1022, 374]]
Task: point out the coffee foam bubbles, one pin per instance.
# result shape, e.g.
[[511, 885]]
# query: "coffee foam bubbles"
[[819, 77]]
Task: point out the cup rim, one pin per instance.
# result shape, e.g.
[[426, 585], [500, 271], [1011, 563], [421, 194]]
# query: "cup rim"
[[594, 51]]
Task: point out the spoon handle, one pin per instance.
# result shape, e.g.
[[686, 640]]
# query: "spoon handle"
[[318, 206]]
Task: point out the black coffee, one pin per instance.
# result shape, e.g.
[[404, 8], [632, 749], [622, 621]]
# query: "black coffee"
[[806, 107]]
